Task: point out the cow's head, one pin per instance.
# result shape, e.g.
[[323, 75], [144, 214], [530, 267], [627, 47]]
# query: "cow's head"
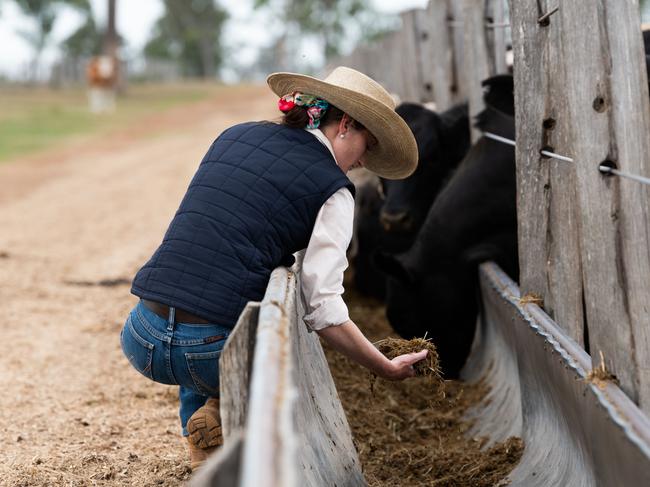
[[443, 140]]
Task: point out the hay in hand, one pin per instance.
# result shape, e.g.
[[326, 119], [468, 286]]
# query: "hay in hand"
[[429, 367], [408, 433]]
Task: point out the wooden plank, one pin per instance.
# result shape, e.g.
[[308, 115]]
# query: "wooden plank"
[[235, 366], [391, 46], [441, 55], [476, 62], [457, 34], [496, 35], [409, 57], [547, 213], [270, 446], [609, 111], [365, 57], [423, 40], [380, 61], [296, 432], [327, 453]]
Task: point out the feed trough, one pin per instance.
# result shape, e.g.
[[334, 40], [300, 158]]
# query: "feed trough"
[[290, 428]]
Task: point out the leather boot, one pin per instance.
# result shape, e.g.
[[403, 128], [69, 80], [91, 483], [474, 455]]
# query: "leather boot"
[[204, 428], [199, 455]]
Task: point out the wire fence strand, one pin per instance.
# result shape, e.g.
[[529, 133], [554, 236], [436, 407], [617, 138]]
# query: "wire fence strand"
[[603, 169], [497, 25], [626, 175]]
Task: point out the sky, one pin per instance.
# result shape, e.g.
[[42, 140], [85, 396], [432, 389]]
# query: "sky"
[[135, 18]]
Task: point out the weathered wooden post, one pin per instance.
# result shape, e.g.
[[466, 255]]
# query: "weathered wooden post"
[[496, 25], [425, 60], [609, 111], [440, 54], [391, 47], [456, 33], [476, 61], [235, 368], [549, 247], [580, 229], [410, 58]]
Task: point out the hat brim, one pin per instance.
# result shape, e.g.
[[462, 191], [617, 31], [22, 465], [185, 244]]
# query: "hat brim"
[[396, 154]]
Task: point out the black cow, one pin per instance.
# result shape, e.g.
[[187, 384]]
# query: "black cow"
[[433, 287], [390, 216], [646, 41], [368, 280], [443, 140]]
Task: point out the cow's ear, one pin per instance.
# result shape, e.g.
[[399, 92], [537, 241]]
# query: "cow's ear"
[[499, 93], [391, 265]]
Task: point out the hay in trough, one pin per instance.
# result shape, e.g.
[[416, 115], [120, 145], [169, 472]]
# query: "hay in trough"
[[600, 375], [531, 298], [409, 434]]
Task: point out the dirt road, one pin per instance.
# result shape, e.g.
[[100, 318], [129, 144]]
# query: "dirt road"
[[75, 225]]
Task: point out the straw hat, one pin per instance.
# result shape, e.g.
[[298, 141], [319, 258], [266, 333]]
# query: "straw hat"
[[396, 154]]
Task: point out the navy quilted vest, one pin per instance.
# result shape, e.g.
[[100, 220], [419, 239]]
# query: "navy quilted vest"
[[252, 203]]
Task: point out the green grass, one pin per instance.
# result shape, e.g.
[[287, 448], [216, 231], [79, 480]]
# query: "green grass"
[[33, 119]]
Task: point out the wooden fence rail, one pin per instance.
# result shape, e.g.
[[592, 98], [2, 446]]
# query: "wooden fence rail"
[[283, 422]]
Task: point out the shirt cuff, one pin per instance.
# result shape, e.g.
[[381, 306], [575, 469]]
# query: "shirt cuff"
[[331, 312]]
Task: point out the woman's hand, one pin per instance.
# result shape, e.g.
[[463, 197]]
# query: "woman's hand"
[[401, 367], [348, 339]]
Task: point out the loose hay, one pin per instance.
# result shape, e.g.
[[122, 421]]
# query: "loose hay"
[[600, 375], [429, 367], [407, 433], [531, 298]]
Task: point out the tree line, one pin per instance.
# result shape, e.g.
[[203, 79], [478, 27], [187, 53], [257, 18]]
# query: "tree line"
[[189, 33]]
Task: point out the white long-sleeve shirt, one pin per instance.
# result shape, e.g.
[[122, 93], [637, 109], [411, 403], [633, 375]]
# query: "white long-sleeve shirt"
[[325, 258]]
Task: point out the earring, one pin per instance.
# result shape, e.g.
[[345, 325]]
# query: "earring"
[[342, 136]]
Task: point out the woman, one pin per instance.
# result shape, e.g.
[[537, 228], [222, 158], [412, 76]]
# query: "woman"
[[262, 192]]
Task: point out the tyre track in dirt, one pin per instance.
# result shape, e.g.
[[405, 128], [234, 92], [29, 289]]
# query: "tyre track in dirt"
[[76, 223]]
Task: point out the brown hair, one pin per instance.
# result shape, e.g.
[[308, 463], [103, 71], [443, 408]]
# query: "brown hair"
[[297, 117]]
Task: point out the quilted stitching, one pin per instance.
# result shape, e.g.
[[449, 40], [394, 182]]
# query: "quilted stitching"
[[253, 200]]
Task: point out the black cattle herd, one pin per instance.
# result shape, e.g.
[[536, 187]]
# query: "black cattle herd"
[[421, 239]]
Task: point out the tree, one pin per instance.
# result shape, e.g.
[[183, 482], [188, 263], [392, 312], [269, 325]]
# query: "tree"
[[90, 40], [335, 24], [44, 13], [86, 41], [189, 33]]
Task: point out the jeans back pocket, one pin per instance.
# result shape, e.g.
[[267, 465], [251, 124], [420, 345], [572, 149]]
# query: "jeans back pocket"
[[138, 350], [204, 369]]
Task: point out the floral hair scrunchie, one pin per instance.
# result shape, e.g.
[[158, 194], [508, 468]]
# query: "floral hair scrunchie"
[[315, 107]]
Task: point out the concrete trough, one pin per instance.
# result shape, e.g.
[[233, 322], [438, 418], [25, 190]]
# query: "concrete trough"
[[576, 433]]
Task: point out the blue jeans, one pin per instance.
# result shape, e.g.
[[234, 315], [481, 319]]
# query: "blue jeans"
[[181, 354]]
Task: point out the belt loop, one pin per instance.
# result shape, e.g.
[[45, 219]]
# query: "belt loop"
[[171, 319]]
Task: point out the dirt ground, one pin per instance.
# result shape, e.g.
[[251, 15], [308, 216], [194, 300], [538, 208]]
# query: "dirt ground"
[[76, 223]]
